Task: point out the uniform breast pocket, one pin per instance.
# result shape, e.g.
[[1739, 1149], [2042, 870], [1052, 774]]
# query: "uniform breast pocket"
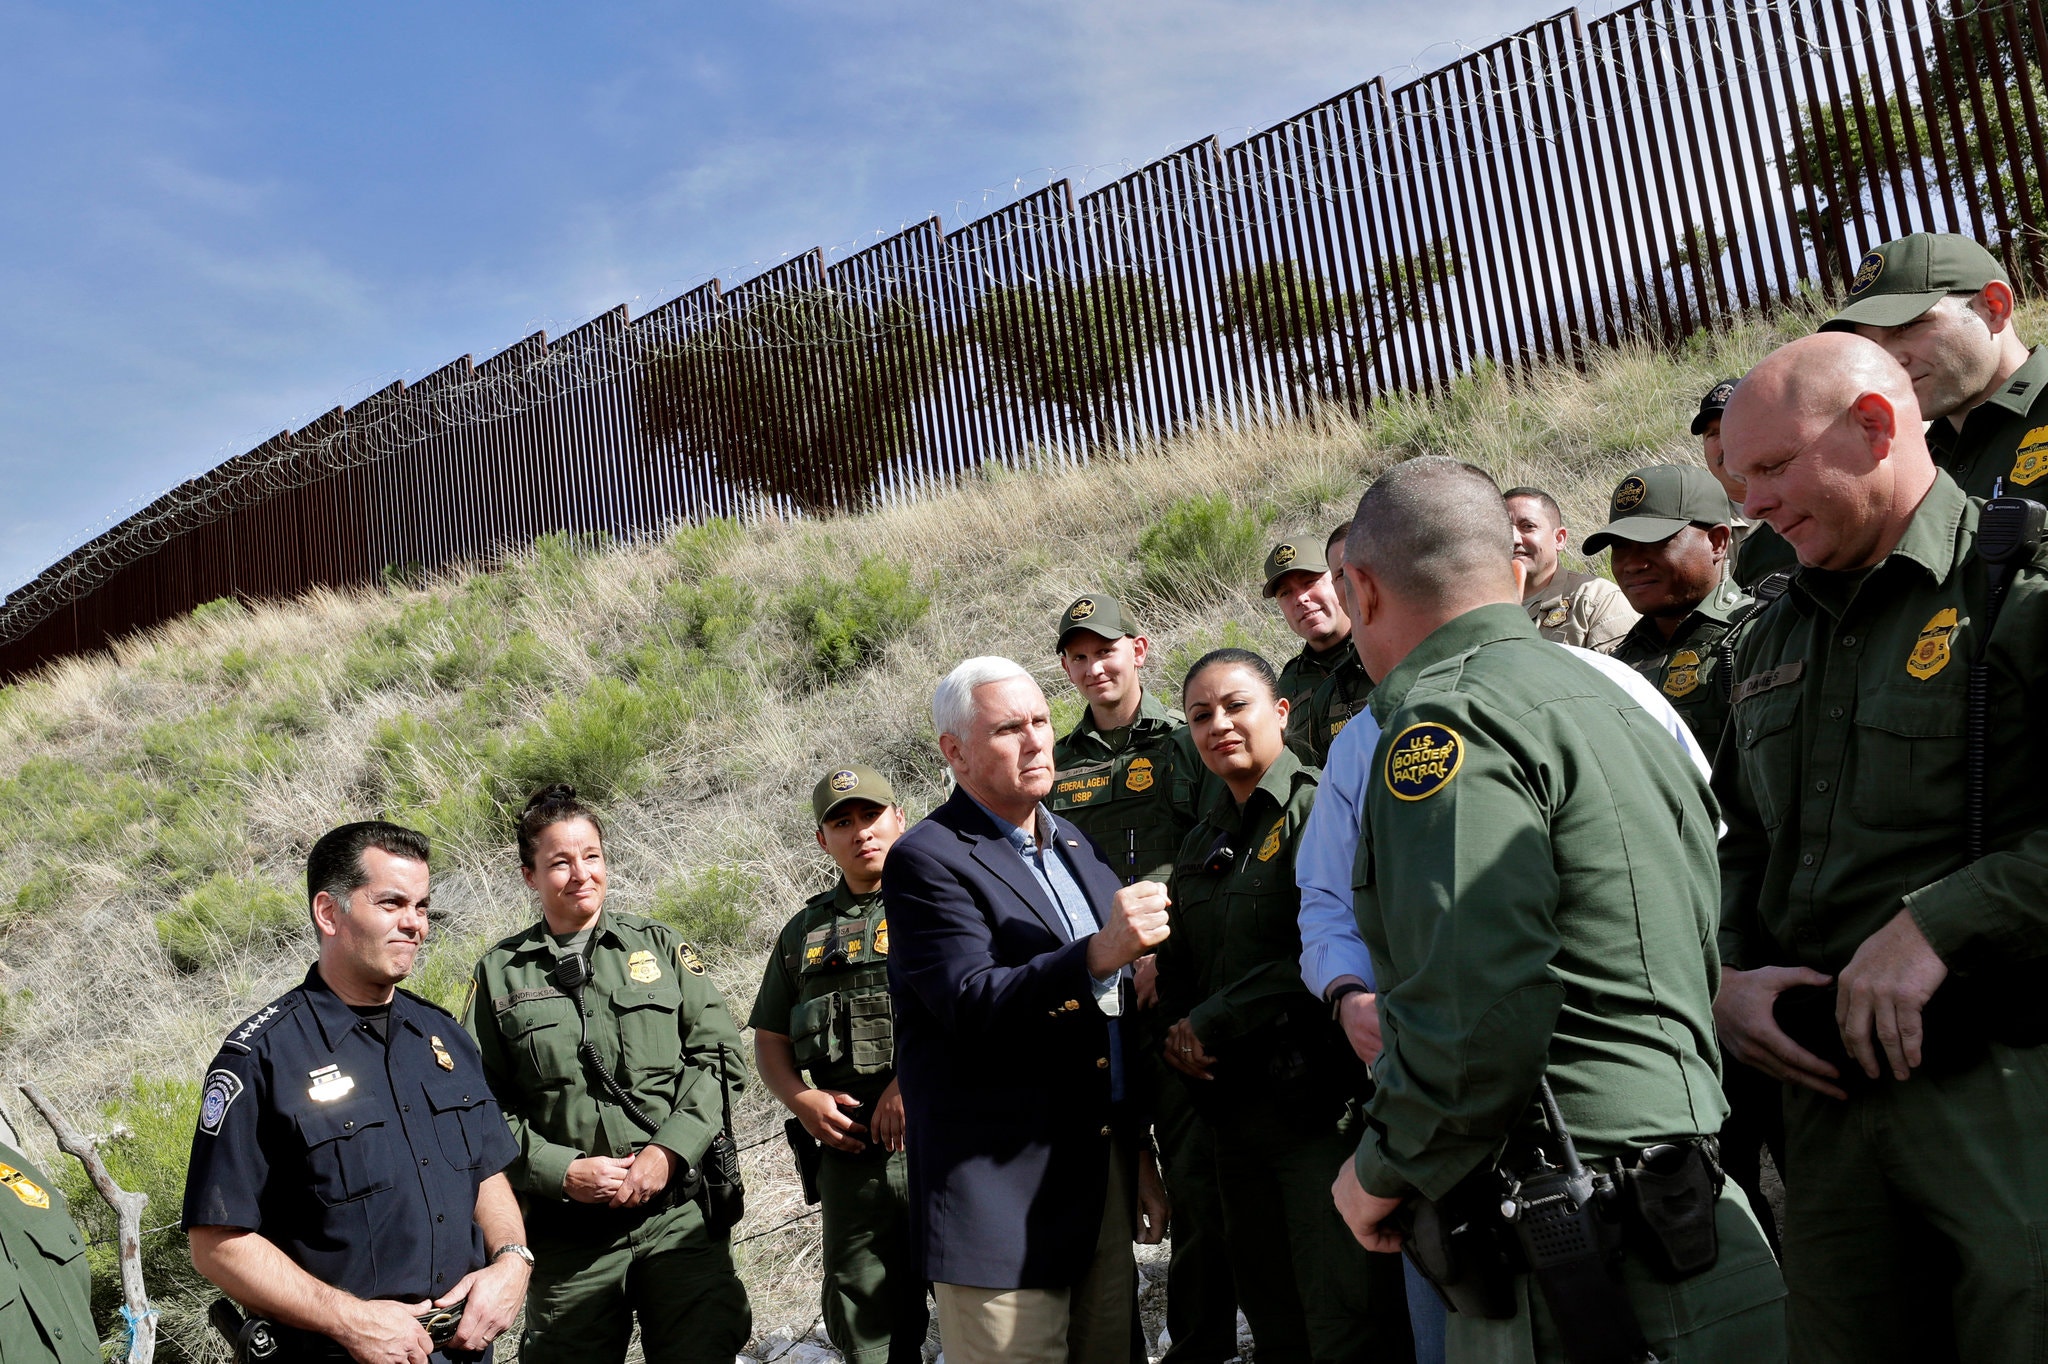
[[542, 1034], [347, 1154], [1909, 758], [649, 1033], [461, 1119], [1767, 738]]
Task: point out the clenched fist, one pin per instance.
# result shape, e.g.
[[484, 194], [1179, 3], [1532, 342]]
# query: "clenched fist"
[[1136, 925]]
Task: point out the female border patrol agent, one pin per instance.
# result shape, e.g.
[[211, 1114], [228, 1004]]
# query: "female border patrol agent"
[[823, 1008], [612, 1215], [1268, 1067]]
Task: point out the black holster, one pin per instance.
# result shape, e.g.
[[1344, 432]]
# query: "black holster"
[[1456, 1243], [1668, 1204], [723, 1197], [809, 1153], [251, 1339]]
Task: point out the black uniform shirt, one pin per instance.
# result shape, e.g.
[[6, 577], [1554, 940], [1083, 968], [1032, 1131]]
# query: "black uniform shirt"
[[360, 1160]]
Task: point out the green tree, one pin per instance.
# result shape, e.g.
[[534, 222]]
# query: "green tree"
[[806, 394], [1073, 347], [1324, 339]]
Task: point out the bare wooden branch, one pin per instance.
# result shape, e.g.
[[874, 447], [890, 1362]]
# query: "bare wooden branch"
[[127, 1206]]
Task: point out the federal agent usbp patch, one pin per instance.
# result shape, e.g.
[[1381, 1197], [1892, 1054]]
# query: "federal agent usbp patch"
[[1682, 678], [1930, 652], [1422, 760], [1867, 272]]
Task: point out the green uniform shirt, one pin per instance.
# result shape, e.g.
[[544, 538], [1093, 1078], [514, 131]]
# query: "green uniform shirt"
[[45, 1285], [1144, 780], [1233, 963], [1307, 669], [2004, 438], [1847, 801], [656, 1021], [1762, 552], [1688, 667], [1314, 724], [1536, 882], [826, 988]]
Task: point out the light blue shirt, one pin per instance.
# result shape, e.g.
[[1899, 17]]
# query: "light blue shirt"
[[1330, 943], [1055, 877]]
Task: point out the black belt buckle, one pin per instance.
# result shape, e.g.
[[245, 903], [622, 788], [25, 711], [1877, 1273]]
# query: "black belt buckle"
[[442, 1323]]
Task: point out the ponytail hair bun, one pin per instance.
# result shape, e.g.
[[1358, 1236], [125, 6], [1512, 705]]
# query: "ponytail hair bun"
[[552, 804]]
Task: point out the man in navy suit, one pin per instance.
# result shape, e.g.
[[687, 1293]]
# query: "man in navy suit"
[[1010, 941]]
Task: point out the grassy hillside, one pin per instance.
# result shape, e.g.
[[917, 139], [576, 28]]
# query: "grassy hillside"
[[156, 806]]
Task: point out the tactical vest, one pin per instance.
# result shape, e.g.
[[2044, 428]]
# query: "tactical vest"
[[842, 1028], [1125, 803]]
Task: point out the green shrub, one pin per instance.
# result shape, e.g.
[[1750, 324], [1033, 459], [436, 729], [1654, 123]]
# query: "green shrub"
[[845, 622], [712, 615], [41, 893], [237, 666], [213, 748], [598, 741], [443, 970], [556, 564], [697, 550], [1201, 548], [150, 1157], [218, 610], [223, 915], [707, 907]]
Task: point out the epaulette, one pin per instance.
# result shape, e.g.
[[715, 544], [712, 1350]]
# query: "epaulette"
[[249, 1028]]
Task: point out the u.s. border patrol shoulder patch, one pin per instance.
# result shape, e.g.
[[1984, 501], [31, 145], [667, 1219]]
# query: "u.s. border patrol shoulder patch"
[[687, 958], [1422, 760]]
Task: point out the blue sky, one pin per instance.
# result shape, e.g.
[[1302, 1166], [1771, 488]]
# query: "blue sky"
[[219, 220]]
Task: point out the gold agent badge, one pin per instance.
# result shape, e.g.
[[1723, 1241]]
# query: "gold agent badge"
[[1139, 778], [2030, 461], [882, 938], [1682, 678], [1270, 849], [1422, 760], [25, 1189], [1930, 652], [441, 1056], [642, 967]]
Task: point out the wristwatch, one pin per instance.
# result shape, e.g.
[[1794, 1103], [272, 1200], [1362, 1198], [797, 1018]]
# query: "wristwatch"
[[1342, 993], [513, 1248]]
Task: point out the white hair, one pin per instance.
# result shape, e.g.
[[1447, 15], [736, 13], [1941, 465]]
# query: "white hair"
[[953, 702]]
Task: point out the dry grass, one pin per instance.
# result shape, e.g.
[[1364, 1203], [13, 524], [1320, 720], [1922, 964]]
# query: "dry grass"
[[95, 1001]]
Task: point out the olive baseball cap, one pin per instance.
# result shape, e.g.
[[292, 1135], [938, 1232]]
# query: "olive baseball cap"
[[1902, 279], [1294, 556], [852, 782], [1658, 502], [1713, 404], [1099, 614]]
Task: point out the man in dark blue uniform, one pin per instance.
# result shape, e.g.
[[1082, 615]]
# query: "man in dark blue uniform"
[[345, 1178]]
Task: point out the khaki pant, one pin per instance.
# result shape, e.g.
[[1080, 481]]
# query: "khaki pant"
[[1089, 1323]]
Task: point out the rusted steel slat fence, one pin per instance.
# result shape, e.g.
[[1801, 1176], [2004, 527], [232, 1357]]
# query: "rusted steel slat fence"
[[1642, 174]]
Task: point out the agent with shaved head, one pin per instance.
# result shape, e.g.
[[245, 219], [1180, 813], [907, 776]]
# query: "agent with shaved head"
[[1536, 884], [1870, 960]]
